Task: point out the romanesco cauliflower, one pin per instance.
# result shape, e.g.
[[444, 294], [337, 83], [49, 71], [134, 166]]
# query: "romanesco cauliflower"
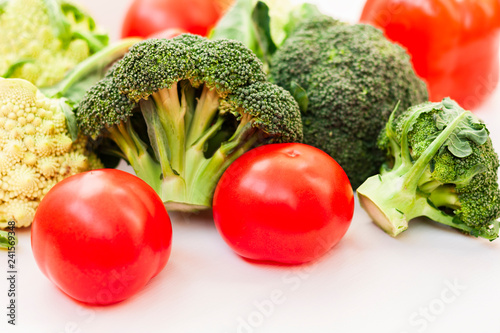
[[42, 40], [36, 149]]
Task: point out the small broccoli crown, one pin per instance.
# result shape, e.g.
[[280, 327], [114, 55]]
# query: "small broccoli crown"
[[479, 208], [56, 36], [444, 167], [156, 64], [152, 65], [475, 181], [272, 108], [103, 106], [226, 65], [353, 77], [422, 132]]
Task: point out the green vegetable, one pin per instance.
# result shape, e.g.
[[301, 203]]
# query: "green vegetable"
[[4, 239], [39, 140], [36, 149], [42, 40], [347, 79], [261, 25], [441, 165], [180, 111]]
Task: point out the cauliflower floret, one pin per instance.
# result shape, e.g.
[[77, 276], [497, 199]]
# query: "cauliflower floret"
[[36, 150]]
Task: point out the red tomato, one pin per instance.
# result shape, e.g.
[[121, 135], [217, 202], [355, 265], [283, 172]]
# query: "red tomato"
[[145, 17], [100, 236], [287, 203], [168, 33]]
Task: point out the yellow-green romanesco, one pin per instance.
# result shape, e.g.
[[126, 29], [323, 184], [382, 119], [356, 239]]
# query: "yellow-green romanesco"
[[42, 40], [36, 150]]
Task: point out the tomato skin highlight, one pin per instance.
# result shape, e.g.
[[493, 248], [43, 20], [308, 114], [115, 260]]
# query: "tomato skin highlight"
[[146, 17], [168, 33], [454, 44], [286, 203], [100, 236]]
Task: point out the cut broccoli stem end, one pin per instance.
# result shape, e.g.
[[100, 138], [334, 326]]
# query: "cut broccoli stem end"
[[136, 154], [387, 202], [392, 206]]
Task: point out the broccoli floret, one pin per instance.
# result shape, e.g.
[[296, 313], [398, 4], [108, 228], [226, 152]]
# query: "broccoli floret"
[[441, 166], [42, 40], [180, 111], [353, 78]]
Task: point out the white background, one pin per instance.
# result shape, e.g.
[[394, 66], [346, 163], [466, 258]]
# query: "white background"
[[430, 279]]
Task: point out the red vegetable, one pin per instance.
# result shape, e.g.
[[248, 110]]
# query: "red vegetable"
[[146, 17], [453, 43], [287, 203], [168, 33], [100, 236]]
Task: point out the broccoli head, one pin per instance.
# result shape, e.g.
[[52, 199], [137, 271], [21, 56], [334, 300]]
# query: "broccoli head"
[[42, 40], [353, 77], [180, 111], [441, 165]]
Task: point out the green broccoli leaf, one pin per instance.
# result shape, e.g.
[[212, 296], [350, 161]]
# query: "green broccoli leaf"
[[470, 129], [236, 24], [261, 19]]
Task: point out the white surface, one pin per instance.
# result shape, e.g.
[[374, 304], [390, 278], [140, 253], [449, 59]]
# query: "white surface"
[[430, 279]]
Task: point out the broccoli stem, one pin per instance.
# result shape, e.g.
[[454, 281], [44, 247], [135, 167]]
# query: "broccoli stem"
[[157, 136], [206, 109], [171, 117], [179, 133], [439, 216], [445, 196], [212, 169], [136, 153]]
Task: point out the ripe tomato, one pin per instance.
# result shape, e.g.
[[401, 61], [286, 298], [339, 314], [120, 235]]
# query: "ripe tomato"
[[100, 236], [146, 17], [287, 203], [168, 33]]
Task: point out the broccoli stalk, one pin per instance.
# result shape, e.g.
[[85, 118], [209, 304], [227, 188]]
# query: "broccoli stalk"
[[181, 111], [440, 154]]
